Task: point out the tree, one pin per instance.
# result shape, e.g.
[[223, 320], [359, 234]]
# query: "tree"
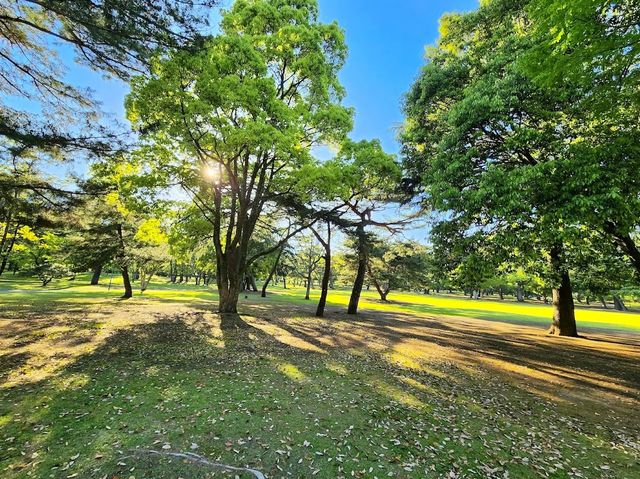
[[234, 121], [308, 257], [364, 182], [589, 51], [397, 265], [152, 250], [487, 147], [45, 253], [325, 241], [118, 37]]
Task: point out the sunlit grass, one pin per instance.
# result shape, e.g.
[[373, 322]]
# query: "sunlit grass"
[[26, 293], [89, 377]]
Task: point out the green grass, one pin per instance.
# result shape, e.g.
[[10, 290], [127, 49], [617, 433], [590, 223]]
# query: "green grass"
[[88, 382], [286, 413], [66, 292]]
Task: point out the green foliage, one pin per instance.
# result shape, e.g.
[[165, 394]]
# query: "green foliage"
[[234, 121], [505, 157], [397, 265]]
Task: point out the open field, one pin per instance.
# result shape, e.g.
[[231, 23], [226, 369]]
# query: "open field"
[[425, 386], [20, 293]]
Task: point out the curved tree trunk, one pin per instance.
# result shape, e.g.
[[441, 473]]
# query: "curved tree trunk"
[[271, 273], [356, 291], [626, 243], [564, 319], [326, 275]]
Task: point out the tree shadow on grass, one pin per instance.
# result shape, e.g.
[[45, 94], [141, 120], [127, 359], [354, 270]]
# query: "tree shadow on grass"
[[183, 380]]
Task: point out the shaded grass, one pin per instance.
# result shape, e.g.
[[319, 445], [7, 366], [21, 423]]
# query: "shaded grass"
[[179, 383]]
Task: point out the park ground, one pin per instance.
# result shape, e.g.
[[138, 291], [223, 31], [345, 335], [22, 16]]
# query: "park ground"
[[422, 386]]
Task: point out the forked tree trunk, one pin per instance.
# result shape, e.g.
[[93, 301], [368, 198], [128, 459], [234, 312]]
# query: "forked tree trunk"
[[564, 319], [97, 271]]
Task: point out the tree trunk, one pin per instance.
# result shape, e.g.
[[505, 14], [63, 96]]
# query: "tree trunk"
[[326, 275], [520, 294], [618, 303], [228, 302], [604, 302], [252, 283], [5, 256], [271, 273], [284, 282], [126, 281], [308, 284], [501, 293], [626, 243], [97, 271], [564, 319], [356, 291]]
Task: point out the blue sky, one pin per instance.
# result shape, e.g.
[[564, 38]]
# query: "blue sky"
[[386, 40]]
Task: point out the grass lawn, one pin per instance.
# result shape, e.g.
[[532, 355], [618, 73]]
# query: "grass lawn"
[[424, 386]]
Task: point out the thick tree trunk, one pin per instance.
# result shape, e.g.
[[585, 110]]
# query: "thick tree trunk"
[[520, 294], [97, 271], [618, 303], [564, 319], [228, 302], [126, 281]]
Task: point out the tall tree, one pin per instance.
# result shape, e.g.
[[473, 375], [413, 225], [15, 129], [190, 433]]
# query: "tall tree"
[[235, 121], [486, 147], [590, 50]]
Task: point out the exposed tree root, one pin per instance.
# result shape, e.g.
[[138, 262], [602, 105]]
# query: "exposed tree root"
[[201, 460]]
